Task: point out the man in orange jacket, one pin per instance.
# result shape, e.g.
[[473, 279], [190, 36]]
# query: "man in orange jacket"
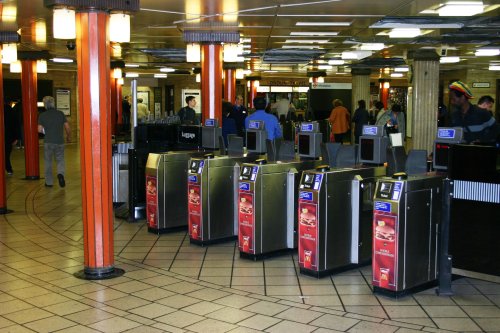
[[340, 120]]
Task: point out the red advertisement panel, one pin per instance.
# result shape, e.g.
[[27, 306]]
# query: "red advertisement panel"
[[151, 202], [308, 235], [194, 211], [246, 212], [385, 245]]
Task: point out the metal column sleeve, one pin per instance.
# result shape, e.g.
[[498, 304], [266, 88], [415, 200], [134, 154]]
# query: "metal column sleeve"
[[230, 85], [445, 259], [252, 93], [211, 81], [92, 45], [119, 105], [3, 185], [30, 118]]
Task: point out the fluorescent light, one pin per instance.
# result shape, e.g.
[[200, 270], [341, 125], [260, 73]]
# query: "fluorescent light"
[[132, 75], [160, 75], [327, 67], [404, 32], [167, 70], [461, 8], [336, 62], [401, 69], [307, 33], [132, 65], [64, 23], [372, 46], [355, 55], [487, 52], [9, 53], [270, 71], [307, 41], [193, 52], [396, 74], [119, 28], [41, 66], [494, 68], [324, 24], [40, 104], [449, 60], [62, 60]]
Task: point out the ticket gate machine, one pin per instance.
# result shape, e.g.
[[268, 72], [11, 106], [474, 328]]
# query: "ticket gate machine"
[[445, 138], [406, 217], [334, 218], [373, 145], [211, 192], [256, 137], [166, 185], [266, 206]]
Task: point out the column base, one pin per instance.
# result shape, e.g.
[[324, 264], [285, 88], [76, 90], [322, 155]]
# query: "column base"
[[32, 178], [4, 210], [102, 273]]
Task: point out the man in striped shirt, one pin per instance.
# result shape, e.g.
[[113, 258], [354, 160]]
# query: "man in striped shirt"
[[478, 124]]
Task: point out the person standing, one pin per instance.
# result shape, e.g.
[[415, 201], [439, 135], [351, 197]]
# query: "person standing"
[[271, 124], [187, 114], [478, 124], [142, 110], [12, 134], [360, 118], [52, 122], [393, 121], [486, 102], [126, 108], [339, 118], [239, 113]]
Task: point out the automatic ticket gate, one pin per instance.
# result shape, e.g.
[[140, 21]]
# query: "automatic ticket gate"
[[406, 215], [334, 218], [266, 207], [211, 192]]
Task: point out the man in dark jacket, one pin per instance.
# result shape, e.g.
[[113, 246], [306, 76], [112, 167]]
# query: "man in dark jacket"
[[187, 114], [478, 124], [360, 118]]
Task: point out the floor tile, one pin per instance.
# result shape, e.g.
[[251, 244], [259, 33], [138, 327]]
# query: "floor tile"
[[471, 300], [259, 322], [286, 326], [115, 324], [236, 301], [444, 311], [211, 326], [353, 289], [230, 315], [359, 300], [480, 311], [89, 316], [433, 300], [488, 324], [409, 311], [153, 294], [266, 308], [78, 329], [182, 287], [299, 315], [203, 308], [152, 310], [50, 324], [25, 316], [65, 308], [334, 322], [364, 326], [127, 302], [180, 319], [208, 294], [457, 324], [367, 310], [13, 306], [322, 300], [323, 290], [283, 290]]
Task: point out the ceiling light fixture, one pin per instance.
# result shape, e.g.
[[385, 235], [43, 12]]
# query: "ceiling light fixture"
[[336, 62], [119, 28], [311, 33], [401, 69], [64, 24], [355, 55], [486, 52], [324, 24], [117, 73], [396, 74], [305, 47], [461, 8], [160, 75], [132, 75], [307, 41], [9, 53], [41, 66], [15, 67], [63, 60], [193, 52], [372, 46], [167, 70], [494, 67], [320, 79], [405, 32], [327, 67], [132, 65], [449, 60]]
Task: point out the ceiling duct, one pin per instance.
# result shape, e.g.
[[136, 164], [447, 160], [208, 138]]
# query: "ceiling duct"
[[171, 54], [380, 63], [291, 56]]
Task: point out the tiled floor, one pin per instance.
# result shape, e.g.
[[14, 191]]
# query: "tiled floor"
[[172, 286]]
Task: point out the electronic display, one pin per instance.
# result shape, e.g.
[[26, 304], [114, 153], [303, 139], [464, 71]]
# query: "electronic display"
[[385, 188], [251, 140], [441, 155], [254, 124], [308, 178], [370, 130], [247, 171], [306, 127], [446, 133], [304, 146], [210, 122]]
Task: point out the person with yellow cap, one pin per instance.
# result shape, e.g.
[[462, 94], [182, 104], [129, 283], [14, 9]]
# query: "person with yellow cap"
[[478, 124]]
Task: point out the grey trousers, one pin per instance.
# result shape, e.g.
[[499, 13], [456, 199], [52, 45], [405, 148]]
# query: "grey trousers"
[[53, 150]]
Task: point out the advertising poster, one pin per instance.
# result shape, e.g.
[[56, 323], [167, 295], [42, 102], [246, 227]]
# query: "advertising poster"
[[385, 250], [194, 211], [151, 202], [246, 239], [308, 234]]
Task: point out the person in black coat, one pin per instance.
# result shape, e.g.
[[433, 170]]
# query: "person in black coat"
[[11, 135], [361, 117], [228, 121]]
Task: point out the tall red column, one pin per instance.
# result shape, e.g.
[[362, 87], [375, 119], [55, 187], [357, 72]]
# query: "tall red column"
[[252, 92], [230, 84], [211, 81], [114, 111], [92, 45], [30, 118], [384, 92], [3, 185]]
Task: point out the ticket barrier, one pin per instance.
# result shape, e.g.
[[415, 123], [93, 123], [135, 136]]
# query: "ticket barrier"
[[406, 218], [266, 207], [334, 218], [211, 192], [166, 185]]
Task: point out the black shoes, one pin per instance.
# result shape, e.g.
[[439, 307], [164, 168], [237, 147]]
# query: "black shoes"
[[62, 183], [47, 185]]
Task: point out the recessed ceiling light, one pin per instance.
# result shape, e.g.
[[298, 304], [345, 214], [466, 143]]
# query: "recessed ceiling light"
[[461, 8], [327, 67], [401, 69], [486, 52], [310, 33], [307, 41], [324, 24], [270, 71], [160, 75], [372, 46], [336, 62], [405, 32], [355, 55], [494, 68], [167, 70], [449, 60], [396, 74], [131, 74], [132, 65], [62, 60]]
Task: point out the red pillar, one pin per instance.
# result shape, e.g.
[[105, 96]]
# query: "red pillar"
[[211, 81], [384, 92], [3, 185], [230, 84], [92, 46], [30, 118], [252, 93], [114, 111]]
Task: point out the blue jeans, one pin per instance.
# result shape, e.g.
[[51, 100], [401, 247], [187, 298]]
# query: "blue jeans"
[[52, 150]]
